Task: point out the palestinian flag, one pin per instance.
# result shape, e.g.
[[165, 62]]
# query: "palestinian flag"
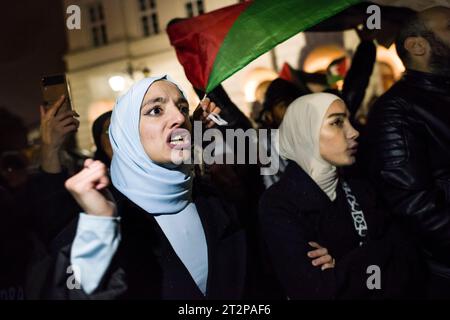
[[213, 46], [337, 70], [301, 78]]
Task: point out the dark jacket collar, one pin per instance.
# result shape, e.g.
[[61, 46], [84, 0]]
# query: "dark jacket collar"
[[303, 185], [427, 81]]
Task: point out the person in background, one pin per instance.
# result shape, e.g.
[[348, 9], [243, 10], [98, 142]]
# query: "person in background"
[[52, 206], [279, 95], [408, 141], [15, 237], [324, 229], [100, 133]]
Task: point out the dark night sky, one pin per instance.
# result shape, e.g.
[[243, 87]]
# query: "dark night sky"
[[32, 43]]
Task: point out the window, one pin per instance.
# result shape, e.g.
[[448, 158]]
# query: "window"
[[98, 25], [149, 17], [194, 8]]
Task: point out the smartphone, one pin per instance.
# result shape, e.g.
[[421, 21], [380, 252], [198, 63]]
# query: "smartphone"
[[53, 87]]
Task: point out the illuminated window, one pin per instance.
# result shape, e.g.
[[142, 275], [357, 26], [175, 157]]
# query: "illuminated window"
[[194, 8], [149, 17], [98, 25]]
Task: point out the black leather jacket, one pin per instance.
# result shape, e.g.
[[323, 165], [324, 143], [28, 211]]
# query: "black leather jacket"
[[408, 141]]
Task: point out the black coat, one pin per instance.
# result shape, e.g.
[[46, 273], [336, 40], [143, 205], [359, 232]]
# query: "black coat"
[[145, 266], [30, 216], [295, 211], [407, 150]]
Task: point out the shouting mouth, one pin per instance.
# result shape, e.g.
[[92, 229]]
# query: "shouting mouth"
[[179, 139]]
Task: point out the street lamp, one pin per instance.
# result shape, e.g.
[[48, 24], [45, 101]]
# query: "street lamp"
[[122, 81], [117, 83]]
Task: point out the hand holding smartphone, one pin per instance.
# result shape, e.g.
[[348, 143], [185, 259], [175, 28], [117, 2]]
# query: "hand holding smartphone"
[[53, 87], [58, 121]]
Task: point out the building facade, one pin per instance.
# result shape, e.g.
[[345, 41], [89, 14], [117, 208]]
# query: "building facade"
[[121, 41]]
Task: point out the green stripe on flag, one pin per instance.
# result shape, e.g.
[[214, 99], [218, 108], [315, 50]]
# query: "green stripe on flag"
[[263, 25]]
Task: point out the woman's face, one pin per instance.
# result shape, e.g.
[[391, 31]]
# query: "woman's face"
[[337, 138], [278, 112], [164, 124]]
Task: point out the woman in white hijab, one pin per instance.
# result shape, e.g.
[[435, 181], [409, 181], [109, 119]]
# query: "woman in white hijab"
[[324, 232], [163, 236]]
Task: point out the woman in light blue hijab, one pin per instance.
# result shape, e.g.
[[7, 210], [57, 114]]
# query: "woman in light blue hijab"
[[142, 124], [159, 238]]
